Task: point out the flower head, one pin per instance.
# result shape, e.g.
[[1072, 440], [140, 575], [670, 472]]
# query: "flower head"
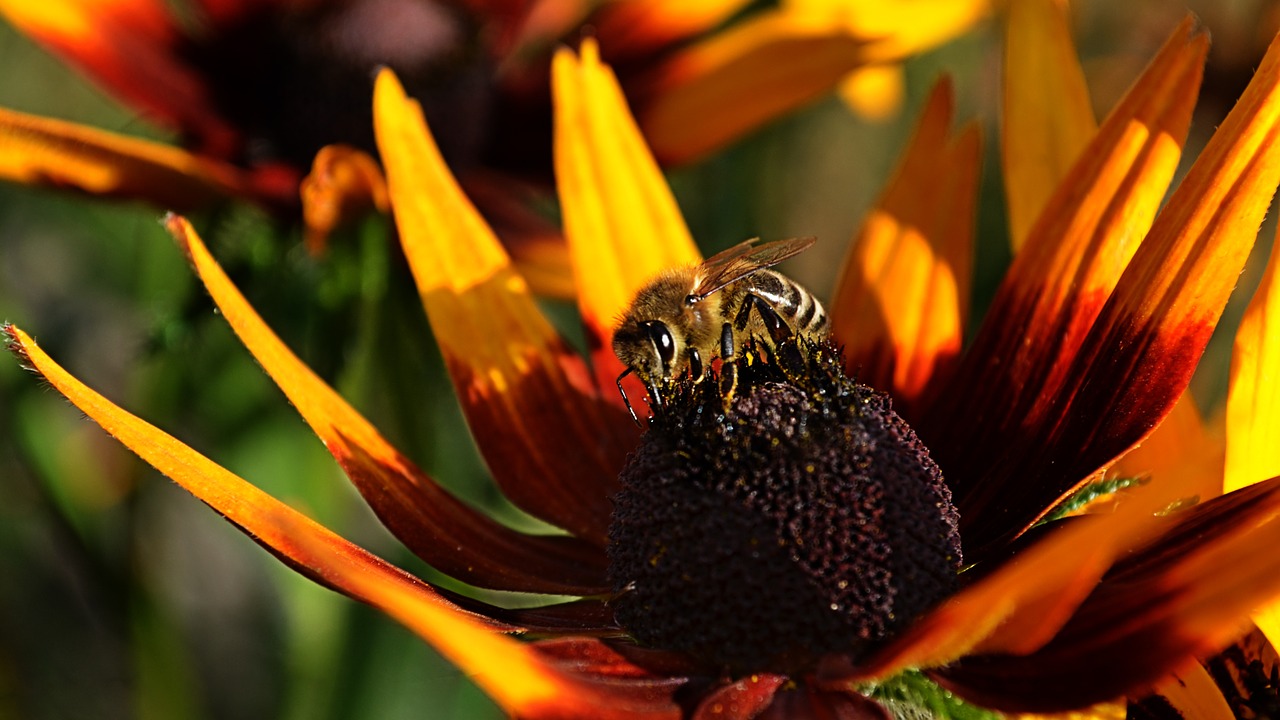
[[852, 542]]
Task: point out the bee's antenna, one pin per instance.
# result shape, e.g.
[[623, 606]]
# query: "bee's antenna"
[[627, 400]]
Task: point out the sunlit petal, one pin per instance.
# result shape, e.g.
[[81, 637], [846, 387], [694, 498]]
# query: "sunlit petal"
[[524, 682], [899, 28], [552, 445], [1047, 116], [621, 221], [1028, 358], [452, 537], [627, 29], [901, 299], [291, 536]]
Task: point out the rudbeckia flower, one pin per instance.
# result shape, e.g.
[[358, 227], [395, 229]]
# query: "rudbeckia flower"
[[784, 550], [255, 88]]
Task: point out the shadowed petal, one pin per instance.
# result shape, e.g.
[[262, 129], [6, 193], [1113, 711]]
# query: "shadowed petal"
[[741, 700], [297, 540], [1180, 596], [621, 221], [1029, 357], [1188, 693], [41, 151], [553, 446], [1180, 446], [521, 679], [447, 534], [534, 242], [718, 90], [1047, 117], [127, 46], [901, 299], [810, 703]]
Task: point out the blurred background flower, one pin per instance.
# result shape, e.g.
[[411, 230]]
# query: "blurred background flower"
[[151, 591]]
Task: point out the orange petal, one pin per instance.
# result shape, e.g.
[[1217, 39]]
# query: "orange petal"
[[1047, 118], [629, 29], [1186, 594], [41, 151], [1180, 447], [552, 445], [901, 299], [299, 541], [1016, 377], [896, 29], [1191, 692], [130, 48], [722, 88], [343, 184], [874, 92], [621, 221], [513, 673], [1253, 404], [444, 532]]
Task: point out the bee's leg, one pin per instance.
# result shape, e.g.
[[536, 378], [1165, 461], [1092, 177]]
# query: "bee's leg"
[[728, 364], [779, 331], [626, 400]]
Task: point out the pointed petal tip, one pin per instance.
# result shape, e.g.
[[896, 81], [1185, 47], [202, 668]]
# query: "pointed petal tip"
[[13, 342]]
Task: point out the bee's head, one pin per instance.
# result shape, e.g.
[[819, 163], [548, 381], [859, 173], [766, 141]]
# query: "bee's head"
[[648, 347]]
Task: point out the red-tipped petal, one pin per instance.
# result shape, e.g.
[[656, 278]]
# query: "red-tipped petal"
[[449, 535], [620, 218], [291, 536], [552, 444], [524, 682], [901, 299], [1185, 594], [130, 48], [1047, 117], [1035, 353]]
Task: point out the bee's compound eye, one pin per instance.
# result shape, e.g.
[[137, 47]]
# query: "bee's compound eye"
[[662, 341]]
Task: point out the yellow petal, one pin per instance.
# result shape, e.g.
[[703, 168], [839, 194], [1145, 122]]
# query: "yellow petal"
[[621, 221], [1047, 117], [1180, 447], [901, 298], [896, 29], [293, 537], [875, 92], [637, 27], [41, 151], [449, 535], [552, 444], [720, 89], [1193, 693]]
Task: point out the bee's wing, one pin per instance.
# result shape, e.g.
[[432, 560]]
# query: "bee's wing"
[[741, 260]]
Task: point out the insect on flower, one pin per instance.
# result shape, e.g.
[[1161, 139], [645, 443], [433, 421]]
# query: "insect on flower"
[[685, 316]]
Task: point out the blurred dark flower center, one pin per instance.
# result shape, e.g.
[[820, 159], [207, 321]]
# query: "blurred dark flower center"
[[805, 519], [295, 78]]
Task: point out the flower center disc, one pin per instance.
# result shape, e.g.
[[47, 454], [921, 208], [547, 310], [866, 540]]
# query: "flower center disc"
[[800, 518]]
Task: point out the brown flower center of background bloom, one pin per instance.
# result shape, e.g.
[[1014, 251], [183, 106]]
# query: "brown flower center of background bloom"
[[807, 519], [295, 79]]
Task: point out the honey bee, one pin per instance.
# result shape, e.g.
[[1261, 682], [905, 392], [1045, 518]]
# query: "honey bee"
[[686, 316]]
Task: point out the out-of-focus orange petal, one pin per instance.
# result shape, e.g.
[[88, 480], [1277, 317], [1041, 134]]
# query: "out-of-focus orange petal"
[[1017, 376], [896, 29], [1047, 117], [874, 92], [41, 151], [621, 221], [732, 83], [553, 446], [1183, 594], [1192, 692], [291, 536], [452, 537], [1181, 446], [130, 48], [1253, 404], [521, 680], [343, 184], [900, 302], [630, 28]]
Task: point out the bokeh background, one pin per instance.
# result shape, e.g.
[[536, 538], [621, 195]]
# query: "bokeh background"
[[122, 597]]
